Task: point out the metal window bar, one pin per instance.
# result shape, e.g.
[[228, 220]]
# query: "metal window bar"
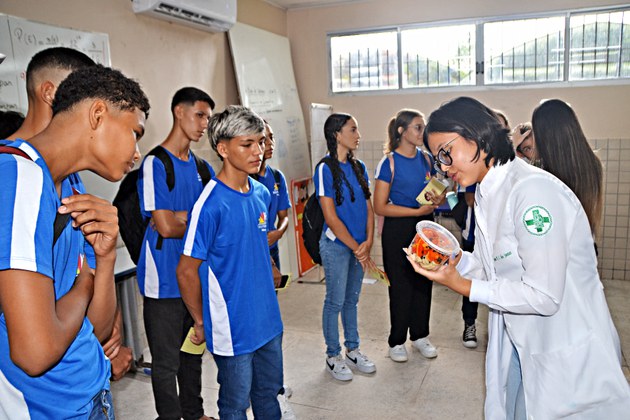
[[340, 72], [536, 59], [384, 82], [513, 69], [524, 60], [349, 70], [399, 69], [583, 44], [547, 59], [438, 73], [608, 46], [378, 65], [595, 51], [620, 60]]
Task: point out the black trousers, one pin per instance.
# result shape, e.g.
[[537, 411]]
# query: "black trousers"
[[167, 323], [469, 309], [409, 292]]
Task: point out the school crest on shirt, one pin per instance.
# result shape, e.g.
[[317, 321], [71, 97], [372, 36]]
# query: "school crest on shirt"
[[80, 264], [537, 220], [262, 221]]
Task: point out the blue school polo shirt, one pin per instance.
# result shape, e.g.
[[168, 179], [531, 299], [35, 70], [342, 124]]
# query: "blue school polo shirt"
[[279, 197], [228, 231], [411, 175], [157, 263], [30, 203], [352, 214]]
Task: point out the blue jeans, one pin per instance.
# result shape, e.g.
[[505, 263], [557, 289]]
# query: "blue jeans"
[[102, 406], [344, 277], [253, 376], [515, 398]]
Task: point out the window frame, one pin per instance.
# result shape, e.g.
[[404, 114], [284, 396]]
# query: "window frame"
[[479, 55]]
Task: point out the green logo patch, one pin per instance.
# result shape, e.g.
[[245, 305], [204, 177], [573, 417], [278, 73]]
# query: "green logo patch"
[[537, 220]]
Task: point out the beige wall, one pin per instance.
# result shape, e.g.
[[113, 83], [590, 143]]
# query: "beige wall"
[[603, 110], [162, 56]]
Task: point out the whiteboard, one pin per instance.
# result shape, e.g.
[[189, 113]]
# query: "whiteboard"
[[20, 39], [319, 149], [266, 84]]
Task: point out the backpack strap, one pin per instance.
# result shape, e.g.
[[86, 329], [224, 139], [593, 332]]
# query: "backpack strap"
[[392, 168], [61, 220], [276, 175], [202, 169], [428, 159], [161, 153]]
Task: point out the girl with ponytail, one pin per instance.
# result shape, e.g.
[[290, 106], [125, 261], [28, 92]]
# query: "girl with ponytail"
[[400, 176]]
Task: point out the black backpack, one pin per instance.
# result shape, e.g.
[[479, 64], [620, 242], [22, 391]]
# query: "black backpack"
[[131, 222], [313, 224]]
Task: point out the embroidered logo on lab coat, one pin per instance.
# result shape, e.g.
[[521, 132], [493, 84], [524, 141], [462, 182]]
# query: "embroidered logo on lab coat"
[[537, 220]]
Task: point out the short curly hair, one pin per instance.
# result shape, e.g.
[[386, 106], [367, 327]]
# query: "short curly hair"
[[99, 82]]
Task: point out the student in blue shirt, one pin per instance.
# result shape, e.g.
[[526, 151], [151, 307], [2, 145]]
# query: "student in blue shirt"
[[278, 220], [56, 303], [225, 276], [280, 203], [166, 319], [341, 184], [46, 69], [400, 177]]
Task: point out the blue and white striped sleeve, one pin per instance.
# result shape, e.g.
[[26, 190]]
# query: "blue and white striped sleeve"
[[202, 226], [26, 217]]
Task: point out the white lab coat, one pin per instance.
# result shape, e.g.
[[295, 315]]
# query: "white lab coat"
[[545, 299]]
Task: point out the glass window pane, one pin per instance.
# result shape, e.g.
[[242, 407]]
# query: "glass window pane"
[[364, 62], [524, 51], [599, 46], [438, 56]]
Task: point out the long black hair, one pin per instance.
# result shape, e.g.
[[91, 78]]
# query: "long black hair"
[[564, 151], [334, 123], [475, 122]]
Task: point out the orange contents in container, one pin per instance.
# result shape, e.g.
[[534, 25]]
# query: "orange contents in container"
[[432, 245]]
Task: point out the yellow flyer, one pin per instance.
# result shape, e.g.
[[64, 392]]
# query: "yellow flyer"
[[191, 348], [378, 274], [436, 186]]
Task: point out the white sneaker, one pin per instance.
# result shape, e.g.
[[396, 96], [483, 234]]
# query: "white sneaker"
[[424, 346], [287, 391], [358, 360], [285, 408], [337, 367], [398, 353]]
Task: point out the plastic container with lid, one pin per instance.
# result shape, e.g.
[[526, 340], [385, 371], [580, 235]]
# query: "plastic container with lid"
[[432, 245]]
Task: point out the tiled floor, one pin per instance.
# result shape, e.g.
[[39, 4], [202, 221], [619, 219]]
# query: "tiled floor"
[[448, 387]]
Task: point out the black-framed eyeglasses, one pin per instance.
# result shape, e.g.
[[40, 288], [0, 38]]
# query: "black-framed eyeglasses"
[[443, 157]]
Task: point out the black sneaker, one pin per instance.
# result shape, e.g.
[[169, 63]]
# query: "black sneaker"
[[469, 337]]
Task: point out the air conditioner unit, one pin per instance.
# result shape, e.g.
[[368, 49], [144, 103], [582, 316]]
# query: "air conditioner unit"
[[207, 15]]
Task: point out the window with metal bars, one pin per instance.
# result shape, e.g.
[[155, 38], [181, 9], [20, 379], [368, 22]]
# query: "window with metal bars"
[[560, 47]]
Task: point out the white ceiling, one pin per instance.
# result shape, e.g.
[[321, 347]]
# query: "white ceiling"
[[297, 4]]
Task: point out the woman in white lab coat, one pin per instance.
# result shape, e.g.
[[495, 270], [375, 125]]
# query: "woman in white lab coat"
[[553, 351]]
